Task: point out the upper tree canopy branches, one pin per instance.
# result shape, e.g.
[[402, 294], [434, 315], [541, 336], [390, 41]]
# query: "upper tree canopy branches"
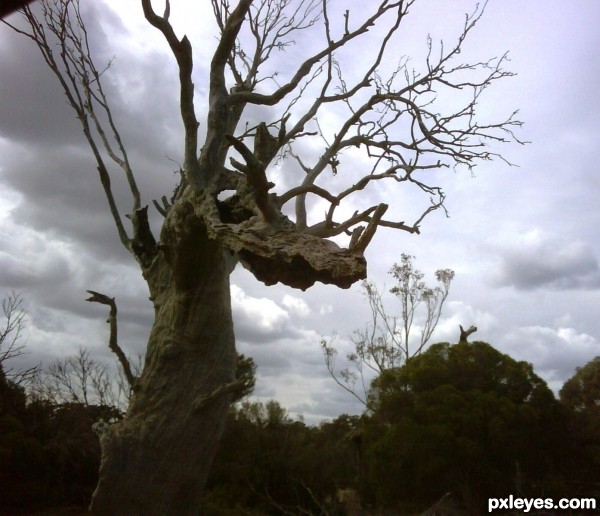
[[325, 113], [394, 120]]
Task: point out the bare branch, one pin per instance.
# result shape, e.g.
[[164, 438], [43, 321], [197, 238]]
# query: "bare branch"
[[464, 334], [300, 190], [112, 341], [165, 205], [14, 316], [306, 66], [227, 41], [14, 322], [78, 379], [257, 180], [369, 232], [182, 50], [376, 124], [81, 81], [349, 378], [234, 387]]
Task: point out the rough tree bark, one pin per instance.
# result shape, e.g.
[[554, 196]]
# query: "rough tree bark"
[[156, 460]]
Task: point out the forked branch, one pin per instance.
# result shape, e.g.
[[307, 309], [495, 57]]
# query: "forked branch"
[[464, 334], [182, 50], [113, 345]]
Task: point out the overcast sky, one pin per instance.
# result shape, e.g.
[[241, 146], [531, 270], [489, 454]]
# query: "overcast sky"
[[524, 241]]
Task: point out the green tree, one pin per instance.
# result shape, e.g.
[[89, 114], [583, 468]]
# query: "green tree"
[[580, 395], [581, 392], [386, 342], [224, 212], [463, 418]]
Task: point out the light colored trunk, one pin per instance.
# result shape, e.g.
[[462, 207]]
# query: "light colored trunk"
[[157, 460]]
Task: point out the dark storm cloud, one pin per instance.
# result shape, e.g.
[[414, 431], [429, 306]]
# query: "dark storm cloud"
[[141, 92], [36, 113], [16, 273], [57, 275], [63, 195]]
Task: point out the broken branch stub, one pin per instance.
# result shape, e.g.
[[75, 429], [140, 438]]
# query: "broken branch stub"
[[96, 297]]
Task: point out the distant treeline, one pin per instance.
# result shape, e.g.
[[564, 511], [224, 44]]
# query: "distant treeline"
[[454, 426]]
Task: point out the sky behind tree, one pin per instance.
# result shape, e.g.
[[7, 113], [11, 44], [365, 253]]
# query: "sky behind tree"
[[523, 240]]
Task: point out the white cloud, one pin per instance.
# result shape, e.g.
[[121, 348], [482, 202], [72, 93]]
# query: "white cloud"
[[256, 318], [296, 305], [325, 309], [554, 352], [28, 257]]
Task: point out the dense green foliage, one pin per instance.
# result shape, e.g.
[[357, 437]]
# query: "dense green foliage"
[[465, 419], [580, 396], [461, 418]]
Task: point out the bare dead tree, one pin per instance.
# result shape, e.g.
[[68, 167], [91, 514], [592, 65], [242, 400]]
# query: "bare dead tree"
[[11, 341], [392, 126], [80, 379], [464, 334], [385, 342]]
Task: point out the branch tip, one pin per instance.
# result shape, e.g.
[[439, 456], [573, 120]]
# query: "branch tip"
[[97, 297]]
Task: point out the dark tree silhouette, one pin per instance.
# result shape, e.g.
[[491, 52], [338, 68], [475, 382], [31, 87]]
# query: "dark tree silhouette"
[[580, 395], [465, 419], [12, 324], [9, 6]]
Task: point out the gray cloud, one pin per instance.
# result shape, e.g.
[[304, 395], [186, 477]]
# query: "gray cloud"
[[555, 352], [544, 260]]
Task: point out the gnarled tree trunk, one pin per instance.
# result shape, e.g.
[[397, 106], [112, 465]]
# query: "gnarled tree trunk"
[[157, 460]]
